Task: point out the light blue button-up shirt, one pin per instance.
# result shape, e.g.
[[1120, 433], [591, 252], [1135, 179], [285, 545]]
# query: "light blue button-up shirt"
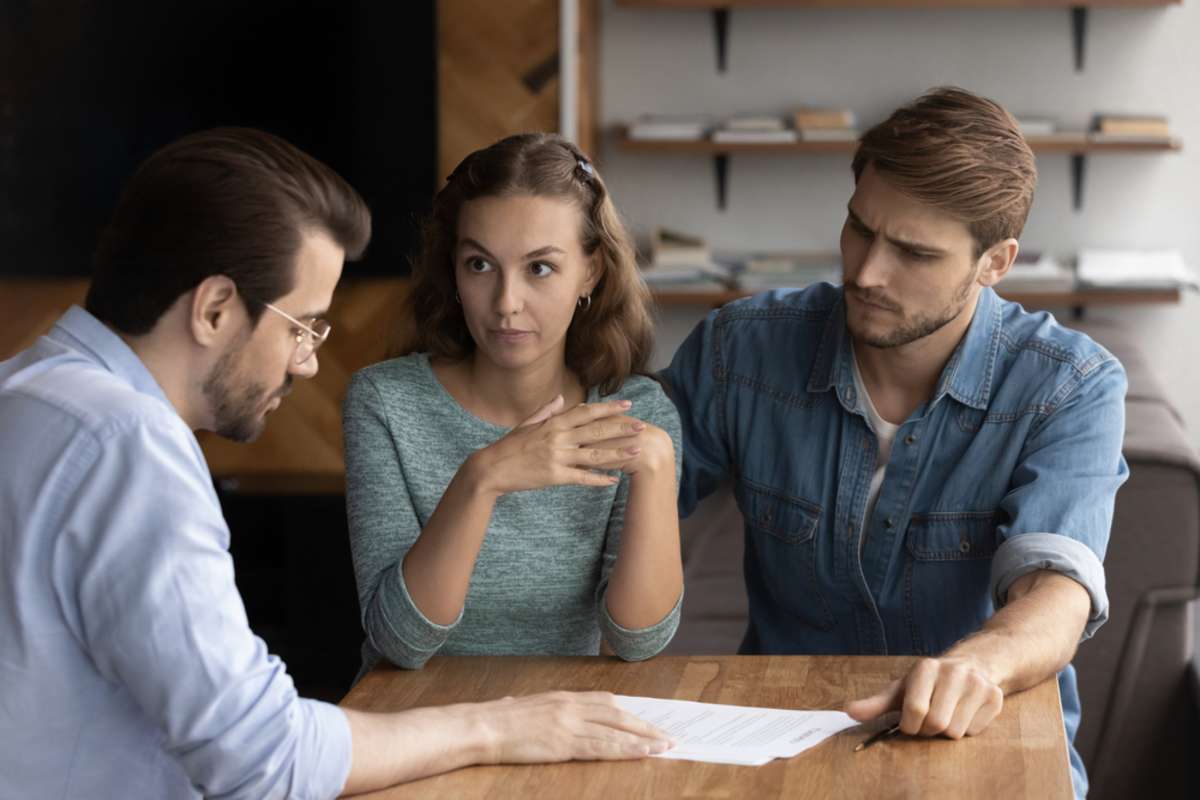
[[1011, 467], [127, 666]]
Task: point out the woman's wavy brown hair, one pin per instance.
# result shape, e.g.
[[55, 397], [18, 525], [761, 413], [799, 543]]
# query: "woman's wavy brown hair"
[[607, 341]]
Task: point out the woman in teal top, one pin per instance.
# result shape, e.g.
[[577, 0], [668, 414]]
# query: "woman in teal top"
[[512, 479]]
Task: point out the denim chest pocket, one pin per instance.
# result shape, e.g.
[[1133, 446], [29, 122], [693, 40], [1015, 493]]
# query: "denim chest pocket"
[[781, 539], [947, 576]]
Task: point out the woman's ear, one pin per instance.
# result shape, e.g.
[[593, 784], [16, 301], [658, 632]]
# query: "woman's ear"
[[595, 271]]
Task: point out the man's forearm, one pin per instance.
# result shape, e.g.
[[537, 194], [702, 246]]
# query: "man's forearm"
[[1034, 635], [407, 745]]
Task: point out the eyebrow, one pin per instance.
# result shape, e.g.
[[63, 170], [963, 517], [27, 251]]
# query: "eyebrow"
[[312, 315], [924, 249], [541, 251]]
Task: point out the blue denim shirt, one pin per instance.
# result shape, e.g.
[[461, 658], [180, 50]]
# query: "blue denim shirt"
[[1010, 467]]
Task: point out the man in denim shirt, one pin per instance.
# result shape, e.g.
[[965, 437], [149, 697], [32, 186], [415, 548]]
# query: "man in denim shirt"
[[923, 467]]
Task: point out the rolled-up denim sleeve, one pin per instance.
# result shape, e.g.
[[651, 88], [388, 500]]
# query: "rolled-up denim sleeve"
[[1060, 504], [692, 384]]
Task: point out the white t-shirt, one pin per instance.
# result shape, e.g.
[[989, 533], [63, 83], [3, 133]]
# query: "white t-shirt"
[[884, 431]]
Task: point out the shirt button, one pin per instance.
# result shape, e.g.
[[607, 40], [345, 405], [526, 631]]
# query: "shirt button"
[[887, 523], [910, 439], [964, 546]]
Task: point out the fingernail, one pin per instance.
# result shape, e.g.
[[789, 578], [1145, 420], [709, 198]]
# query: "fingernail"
[[626, 404], [639, 426], [660, 747], [633, 451]]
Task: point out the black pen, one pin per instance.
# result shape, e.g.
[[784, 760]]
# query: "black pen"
[[877, 737]]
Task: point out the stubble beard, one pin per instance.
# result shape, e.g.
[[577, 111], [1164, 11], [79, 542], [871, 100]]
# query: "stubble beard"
[[923, 325], [237, 410]]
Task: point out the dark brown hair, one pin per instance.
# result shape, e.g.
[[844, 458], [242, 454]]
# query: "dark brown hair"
[[227, 201], [607, 341], [958, 152]]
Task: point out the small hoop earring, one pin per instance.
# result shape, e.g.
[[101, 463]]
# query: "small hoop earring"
[[584, 306]]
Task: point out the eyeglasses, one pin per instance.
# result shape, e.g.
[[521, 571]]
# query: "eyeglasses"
[[308, 339]]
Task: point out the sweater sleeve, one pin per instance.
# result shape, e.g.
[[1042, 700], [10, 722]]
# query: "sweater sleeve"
[[383, 525], [651, 404]]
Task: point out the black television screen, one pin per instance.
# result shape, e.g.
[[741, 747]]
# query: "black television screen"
[[90, 88]]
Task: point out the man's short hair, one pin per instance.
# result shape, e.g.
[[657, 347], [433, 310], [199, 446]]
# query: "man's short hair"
[[228, 201], [958, 152]]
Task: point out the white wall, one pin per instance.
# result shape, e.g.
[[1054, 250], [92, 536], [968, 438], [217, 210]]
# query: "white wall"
[[871, 61]]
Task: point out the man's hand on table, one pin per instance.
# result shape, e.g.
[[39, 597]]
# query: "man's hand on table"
[[391, 748], [565, 726], [950, 696], [1024, 643]]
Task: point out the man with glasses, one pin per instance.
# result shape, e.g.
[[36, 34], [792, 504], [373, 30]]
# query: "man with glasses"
[[127, 667]]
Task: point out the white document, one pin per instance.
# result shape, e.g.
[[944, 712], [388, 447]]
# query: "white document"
[[1135, 268], [742, 735]]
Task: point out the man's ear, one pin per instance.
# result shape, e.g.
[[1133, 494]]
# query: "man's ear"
[[214, 310], [997, 261]]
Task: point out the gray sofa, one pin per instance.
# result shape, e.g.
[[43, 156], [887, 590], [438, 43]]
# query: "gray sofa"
[[1138, 734]]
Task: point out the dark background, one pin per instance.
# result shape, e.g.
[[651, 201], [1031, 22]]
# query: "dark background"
[[88, 89]]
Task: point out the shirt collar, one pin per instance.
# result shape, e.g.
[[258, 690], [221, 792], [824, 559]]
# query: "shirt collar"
[[82, 332], [967, 376]]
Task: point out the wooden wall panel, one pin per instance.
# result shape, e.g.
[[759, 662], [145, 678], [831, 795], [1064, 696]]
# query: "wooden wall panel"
[[301, 449], [497, 73]]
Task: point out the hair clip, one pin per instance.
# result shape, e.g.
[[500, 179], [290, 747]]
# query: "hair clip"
[[586, 166]]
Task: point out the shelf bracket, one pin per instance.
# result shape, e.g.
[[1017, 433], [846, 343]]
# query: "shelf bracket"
[[721, 171], [1078, 171], [1079, 20], [720, 20]]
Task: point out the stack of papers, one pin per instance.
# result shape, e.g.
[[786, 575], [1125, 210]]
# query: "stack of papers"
[[788, 270], [1045, 274], [663, 127], [1134, 269], [741, 735], [682, 262]]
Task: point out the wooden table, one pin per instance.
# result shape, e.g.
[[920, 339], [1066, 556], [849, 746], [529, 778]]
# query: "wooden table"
[[1022, 754]]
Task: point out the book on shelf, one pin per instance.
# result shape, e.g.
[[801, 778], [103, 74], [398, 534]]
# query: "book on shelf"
[[754, 122], [1134, 269], [711, 277], [784, 269], [1130, 127], [813, 117], [1037, 272], [683, 262], [1037, 126], [1058, 136], [671, 248], [664, 127], [828, 134], [782, 136]]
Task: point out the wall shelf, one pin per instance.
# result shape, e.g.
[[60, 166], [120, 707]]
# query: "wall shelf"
[[1078, 9], [1078, 146]]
